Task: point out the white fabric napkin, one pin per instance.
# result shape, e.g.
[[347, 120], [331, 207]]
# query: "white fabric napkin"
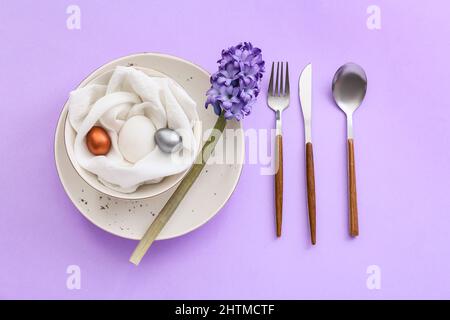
[[132, 92]]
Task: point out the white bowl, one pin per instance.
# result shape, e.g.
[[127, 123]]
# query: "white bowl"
[[144, 191]]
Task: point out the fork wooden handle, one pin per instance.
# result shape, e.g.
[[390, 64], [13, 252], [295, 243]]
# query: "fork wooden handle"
[[311, 190], [352, 202], [279, 183]]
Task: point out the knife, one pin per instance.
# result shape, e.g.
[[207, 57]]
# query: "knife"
[[305, 93]]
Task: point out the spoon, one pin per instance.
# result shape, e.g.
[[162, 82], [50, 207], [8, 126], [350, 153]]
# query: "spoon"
[[349, 88]]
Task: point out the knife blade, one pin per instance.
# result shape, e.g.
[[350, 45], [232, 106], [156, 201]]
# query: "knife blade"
[[305, 92]]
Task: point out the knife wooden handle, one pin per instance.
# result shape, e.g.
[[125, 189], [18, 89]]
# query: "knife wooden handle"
[[352, 202], [279, 183], [311, 190]]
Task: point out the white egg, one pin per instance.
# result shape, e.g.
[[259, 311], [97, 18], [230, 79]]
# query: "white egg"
[[136, 138]]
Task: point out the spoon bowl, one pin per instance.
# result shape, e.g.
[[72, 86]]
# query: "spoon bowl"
[[349, 87]]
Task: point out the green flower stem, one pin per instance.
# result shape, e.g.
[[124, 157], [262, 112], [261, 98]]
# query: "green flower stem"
[[169, 208]]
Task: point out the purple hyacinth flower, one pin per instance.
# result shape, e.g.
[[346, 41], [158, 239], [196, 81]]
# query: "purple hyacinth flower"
[[235, 86]]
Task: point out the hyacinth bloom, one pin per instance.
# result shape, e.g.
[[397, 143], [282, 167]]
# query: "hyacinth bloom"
[[235, 86]]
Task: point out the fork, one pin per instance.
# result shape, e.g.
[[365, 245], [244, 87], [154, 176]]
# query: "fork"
[[278, 100]]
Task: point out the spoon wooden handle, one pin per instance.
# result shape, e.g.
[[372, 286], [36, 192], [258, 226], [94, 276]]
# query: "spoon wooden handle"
[[352, 202], [311, 190], [279, 183]]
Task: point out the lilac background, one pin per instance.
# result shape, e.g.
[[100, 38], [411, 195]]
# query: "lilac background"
[[402, 154]]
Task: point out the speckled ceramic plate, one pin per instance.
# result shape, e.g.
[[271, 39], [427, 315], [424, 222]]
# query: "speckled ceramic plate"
[[131, 218]]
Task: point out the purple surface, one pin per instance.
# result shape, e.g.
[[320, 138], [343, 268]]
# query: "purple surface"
[[402, 153]]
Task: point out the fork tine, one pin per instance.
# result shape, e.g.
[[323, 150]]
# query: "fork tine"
[[271, 81], [286, 90], [277, 92], [281, 80]]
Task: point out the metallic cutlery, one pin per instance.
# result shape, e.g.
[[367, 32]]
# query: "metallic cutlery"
[[349, 89], [278, 100], [305, 93]]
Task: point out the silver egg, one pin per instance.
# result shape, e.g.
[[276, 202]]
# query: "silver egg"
[[168, 140]]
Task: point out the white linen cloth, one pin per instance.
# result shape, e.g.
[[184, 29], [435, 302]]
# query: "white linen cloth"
[[131, 92]]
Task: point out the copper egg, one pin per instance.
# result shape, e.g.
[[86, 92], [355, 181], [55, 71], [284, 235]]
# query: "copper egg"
[[98, 141]]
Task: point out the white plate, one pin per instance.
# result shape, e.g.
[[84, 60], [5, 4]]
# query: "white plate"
[[131, 218]]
